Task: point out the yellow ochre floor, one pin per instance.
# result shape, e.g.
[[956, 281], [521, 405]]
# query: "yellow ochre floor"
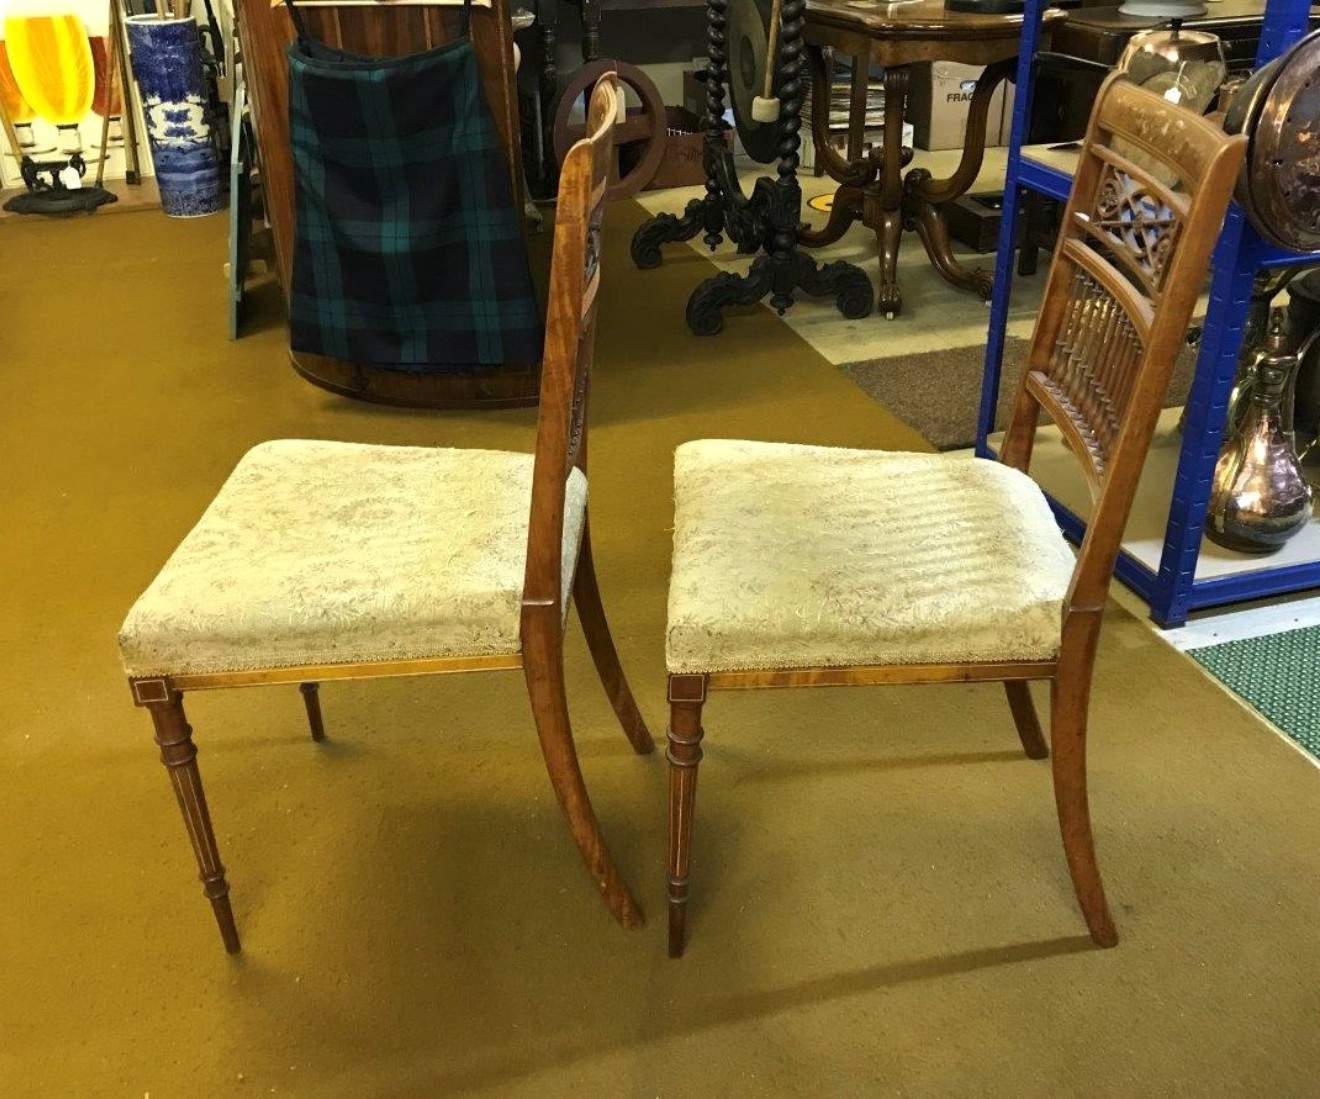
[[880, 902]]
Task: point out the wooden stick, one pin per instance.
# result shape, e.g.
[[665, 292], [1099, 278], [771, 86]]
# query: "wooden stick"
[[772, 51], [112, 67], [132, 168]]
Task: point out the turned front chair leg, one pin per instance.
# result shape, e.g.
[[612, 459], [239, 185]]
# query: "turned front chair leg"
[[311, 693], [687, 695], [177, 752]]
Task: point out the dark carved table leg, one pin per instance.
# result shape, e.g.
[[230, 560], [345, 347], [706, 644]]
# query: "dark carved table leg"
[[934, 235], [666, 229], [886, 213], [590, 31], [846, 209], [923, 195], [177, 752], [710, 212], [888, 225], [549, 92]]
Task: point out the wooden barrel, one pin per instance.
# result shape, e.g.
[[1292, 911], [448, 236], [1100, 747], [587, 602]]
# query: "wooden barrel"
[[384, 30]]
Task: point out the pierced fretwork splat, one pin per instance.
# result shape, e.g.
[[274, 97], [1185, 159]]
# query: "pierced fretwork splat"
[[1135, 225]]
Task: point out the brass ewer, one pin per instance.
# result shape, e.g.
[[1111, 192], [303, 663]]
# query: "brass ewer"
[[1259, 497]]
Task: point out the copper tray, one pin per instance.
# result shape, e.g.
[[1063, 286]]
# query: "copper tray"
[[1284, 156]]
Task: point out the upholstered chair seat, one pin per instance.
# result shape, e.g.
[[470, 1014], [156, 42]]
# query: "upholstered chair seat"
[[331, 553], [792, 556]]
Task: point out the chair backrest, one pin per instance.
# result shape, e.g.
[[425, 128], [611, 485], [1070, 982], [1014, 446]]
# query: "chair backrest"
[[1152, 186], [570, 339]]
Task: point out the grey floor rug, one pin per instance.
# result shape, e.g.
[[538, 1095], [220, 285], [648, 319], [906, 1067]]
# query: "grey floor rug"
[[938, 392]]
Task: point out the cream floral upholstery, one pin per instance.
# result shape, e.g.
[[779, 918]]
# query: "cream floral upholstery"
[[798, 556], [321, 552]]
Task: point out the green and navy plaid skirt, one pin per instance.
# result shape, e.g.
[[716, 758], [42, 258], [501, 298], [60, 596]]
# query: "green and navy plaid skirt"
[[408, 250]]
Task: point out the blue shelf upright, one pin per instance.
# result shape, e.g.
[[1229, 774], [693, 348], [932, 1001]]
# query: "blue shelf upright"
[[1173, 591]]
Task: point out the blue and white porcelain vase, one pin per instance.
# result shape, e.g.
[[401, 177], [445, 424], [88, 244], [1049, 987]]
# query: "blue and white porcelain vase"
[[167, 64]]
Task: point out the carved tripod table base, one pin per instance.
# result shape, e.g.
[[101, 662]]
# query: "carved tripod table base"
[[770, 218], [777, 276], [873, 189]]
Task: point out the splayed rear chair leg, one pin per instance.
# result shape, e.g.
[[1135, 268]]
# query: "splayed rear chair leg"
[[311, 693], [1068, 736], [1024, 717], [543, 667], [586, 595]]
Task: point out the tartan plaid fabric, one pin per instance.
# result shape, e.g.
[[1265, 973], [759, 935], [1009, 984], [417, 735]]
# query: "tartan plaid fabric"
[[408, 251]]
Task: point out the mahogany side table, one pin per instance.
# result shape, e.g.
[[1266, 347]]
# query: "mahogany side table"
[[875, 189]]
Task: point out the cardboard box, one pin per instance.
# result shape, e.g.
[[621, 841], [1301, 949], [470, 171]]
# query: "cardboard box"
[[940, 99], [684, 162]]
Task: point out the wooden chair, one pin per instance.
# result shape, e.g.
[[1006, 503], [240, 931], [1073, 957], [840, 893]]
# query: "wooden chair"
[[323, 560], [804, 566]]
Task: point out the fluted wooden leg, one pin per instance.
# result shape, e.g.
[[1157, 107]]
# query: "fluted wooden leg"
[[177, 752], [1024, 717], [311, 693], [543, 667], [687, 695], [591, 612], [1070, 695]]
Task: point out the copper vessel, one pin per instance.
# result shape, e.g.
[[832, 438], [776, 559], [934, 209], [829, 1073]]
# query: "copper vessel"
[[1255, 333], [1259, 497]]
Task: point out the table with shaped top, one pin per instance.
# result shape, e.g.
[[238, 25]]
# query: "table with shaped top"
[[873, 188]]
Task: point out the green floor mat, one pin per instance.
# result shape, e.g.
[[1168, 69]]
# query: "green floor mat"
[[1276, 675]]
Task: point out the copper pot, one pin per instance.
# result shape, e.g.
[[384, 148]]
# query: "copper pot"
[[1279, 109]]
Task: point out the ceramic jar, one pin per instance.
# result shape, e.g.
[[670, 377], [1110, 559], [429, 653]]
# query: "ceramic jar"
[[167, 64]]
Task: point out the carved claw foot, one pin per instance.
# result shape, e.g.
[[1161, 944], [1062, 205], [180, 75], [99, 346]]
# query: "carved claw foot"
[[889, 300]]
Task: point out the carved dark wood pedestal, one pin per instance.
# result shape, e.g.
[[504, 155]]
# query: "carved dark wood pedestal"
[[767, 221]]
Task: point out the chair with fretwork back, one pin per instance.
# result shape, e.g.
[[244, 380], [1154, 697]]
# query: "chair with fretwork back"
[[813, 566], [323, 560]]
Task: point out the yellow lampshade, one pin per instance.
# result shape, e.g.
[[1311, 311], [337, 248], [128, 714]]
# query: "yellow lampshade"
[[51, 60], [16, 107]]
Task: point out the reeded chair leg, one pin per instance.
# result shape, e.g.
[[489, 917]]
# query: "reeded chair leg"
[[543, 667], [1024, 717], [177, 752], [1069, 698], [591, 612], [311, 693], [687, 695]]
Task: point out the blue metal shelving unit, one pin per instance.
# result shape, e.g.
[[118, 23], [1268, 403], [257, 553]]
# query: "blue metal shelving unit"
[[1173, 591]]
